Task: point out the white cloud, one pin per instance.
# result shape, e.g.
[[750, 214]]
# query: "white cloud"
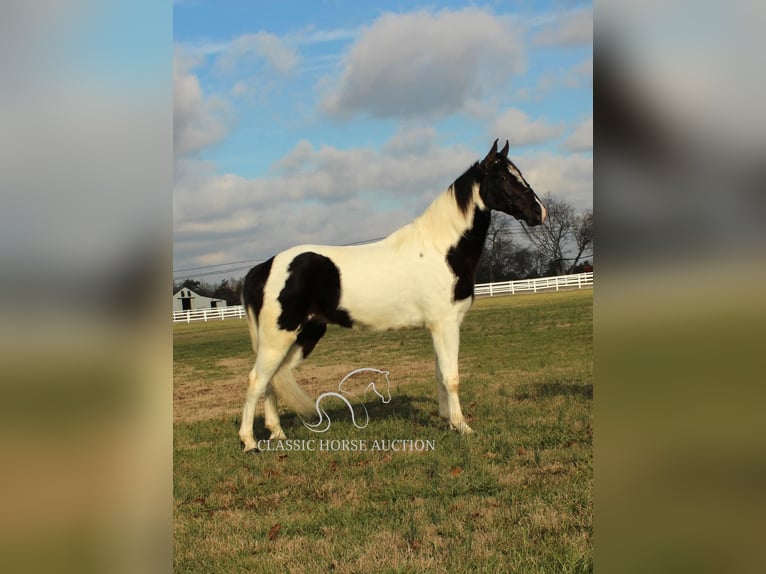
[[425, 64], [567, 176], [198, 120], [269, 48], [577, 76], [515, 126], [328, 195], [320, 36], [255, 90], [581, 139], [201, 49], [241, 88], [245, 219], [417, 140], [316, 194], [413, 67], [568, 29], [584, 70]]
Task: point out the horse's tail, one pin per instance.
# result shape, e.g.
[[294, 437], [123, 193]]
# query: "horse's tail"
[[252, 297], [283, 381], [252, 327], [290, 393]]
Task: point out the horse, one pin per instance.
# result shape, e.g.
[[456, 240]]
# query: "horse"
[[421, 275]]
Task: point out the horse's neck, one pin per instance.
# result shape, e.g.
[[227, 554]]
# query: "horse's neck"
[[444, 222]]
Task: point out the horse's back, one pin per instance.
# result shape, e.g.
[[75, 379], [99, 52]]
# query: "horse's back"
[[380, 285]]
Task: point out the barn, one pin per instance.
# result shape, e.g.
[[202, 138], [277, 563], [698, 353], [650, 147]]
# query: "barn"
[[187, 300]]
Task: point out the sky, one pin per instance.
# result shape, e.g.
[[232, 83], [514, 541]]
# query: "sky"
[[336, 122]]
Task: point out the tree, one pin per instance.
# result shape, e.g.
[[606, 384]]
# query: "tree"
[[503, 259], [583, 236], [229, 291], [192, 284], [527, 263], [498, 247], [549, 238], [563, 232]]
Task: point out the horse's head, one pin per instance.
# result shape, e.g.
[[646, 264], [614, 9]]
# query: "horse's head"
[[503, 188]]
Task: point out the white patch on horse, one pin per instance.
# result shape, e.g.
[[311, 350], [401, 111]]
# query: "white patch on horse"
[[517, 174], [477, 197], [543, 211]]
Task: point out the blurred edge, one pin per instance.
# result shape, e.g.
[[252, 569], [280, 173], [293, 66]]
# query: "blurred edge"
[[680, 309], [86, 159], [85, 340]]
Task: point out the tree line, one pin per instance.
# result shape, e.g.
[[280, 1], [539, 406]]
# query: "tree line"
[[561, 245]]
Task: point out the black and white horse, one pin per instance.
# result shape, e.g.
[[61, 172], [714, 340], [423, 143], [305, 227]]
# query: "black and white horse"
[[420, 275]]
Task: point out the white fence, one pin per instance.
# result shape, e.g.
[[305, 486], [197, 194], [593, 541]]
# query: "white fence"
[[481, 290], [237, 311], [577, 281]]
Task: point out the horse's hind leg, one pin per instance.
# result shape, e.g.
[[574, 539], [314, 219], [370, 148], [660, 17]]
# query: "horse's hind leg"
[[443, 404], [287, 385], [267, 362], [271, 414], [284, 380]]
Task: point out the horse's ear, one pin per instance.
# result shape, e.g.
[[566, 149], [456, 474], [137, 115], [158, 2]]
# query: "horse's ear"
[[491, 155], [504, 151]]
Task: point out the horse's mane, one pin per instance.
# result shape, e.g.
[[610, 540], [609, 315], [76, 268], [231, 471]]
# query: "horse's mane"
[[447, 217], [462, 188]]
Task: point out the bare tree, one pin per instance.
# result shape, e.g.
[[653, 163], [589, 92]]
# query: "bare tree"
[[551, 236], [583, 235], [192, 284], [536, 264], [497, 249], [563, 238], [229, 290]]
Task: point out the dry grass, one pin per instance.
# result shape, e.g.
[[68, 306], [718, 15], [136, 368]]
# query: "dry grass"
[[514, 497], [193, 402]]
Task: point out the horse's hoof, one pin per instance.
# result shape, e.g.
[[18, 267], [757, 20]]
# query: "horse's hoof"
[[249, 445], [462, 428], [278, 435], [254, 450]]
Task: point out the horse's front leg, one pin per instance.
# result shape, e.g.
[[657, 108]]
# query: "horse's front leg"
[[446, 338]]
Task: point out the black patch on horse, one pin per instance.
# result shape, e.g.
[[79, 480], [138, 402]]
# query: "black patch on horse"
[[310, 334], [463, 258], [463, 187], [252, 288], [312, 289]]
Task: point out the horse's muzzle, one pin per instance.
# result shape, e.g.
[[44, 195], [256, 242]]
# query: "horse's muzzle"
[[540, 214]]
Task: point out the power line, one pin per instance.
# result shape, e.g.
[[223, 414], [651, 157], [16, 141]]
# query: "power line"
[[220, 272], [251, 263], [210, 266], [573, 258]]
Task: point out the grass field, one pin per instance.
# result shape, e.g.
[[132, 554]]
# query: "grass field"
[[516, 496]]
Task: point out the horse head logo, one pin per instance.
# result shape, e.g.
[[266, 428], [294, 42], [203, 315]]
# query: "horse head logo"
[[324, 419]]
